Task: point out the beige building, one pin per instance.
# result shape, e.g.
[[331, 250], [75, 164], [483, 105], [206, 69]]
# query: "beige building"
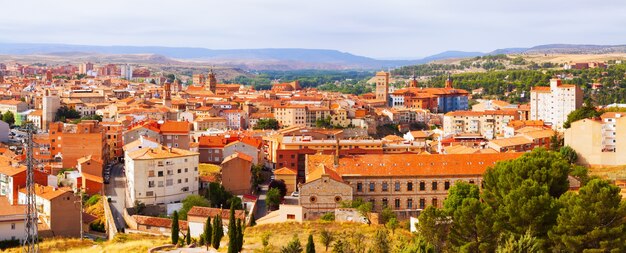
[[290, 115], [489, 124], [599, 142], [205, 123], [237, 174], [323, 191], [407, 183], [552, 104], [57, 209], [13, 106], [289, 176], [160, 175], [382, 86]]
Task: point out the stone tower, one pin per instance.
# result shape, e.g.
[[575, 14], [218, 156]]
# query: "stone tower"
[[211, 82], [413, 82], [382, 85], [449, 82], [167, 94]]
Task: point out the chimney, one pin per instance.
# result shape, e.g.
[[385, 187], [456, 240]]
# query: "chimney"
[[336, 152]]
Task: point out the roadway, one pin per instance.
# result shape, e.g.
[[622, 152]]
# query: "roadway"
[[116, 191]]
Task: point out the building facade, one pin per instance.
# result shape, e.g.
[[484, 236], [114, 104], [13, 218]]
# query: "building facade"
[[552, 104]]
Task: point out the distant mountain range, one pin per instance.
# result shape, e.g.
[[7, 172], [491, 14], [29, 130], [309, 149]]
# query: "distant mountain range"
[[278, 58]]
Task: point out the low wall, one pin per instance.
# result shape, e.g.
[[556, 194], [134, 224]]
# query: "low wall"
[[110, 221]]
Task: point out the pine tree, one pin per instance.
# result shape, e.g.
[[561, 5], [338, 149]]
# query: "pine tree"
[[175, 229], [381, 242], [294, 246], [208, 232], [310, 245]]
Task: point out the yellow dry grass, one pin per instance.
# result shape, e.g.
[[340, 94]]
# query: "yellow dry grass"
[[129, 243], [282, 233], [610, 173], [205, 169]]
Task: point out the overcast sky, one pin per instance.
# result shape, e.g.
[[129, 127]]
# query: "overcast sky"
[[380, 29]]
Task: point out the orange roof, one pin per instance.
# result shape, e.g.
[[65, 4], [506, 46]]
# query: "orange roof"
[[93, 178], [7, 209], [159, 222], [10, 102], [285, 171], [237, 155], [159, 153], [412, 164], [322, 170], [211, 141], [175, 127], [255, 142], [478, 114], [10, 171], [205, 212], [48, 192]]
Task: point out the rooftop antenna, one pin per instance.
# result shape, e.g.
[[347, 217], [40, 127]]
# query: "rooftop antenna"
[[31, 242]]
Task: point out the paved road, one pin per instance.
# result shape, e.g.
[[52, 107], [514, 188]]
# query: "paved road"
[[116, 190], [261, 210]]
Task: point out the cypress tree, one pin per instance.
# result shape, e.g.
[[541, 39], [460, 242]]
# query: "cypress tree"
[[208, 232], [232, 231], [218, 232], [175, 229], [310, 245], [188, 237], [239, 235]]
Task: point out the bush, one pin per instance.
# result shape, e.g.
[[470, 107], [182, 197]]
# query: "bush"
[[9, 244], [328, 217]]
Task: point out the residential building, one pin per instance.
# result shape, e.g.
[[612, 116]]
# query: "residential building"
[[489, 124], [235, 119], [176, 134], [552, 104], [323, 191], [14, 106], [160, 175], [599, 142], [291, 115], [57, 209], [201, 124], [289, 176], [12, 221], [249, 146], [237, 174], [211, 149]]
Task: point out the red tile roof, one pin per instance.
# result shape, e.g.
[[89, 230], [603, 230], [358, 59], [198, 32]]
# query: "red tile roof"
[[180, 127], [159, 222]]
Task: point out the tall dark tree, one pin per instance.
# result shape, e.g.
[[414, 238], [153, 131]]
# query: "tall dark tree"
[[175, 228], [267, 124], [232, 231], [310, 245], [594, 219], [208, 232], [218, 232], [434, 225], [188, 236], [280, 185], [569, 154], [294, 246]]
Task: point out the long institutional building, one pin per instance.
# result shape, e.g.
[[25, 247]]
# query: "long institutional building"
[[407, 183], [552, 104]]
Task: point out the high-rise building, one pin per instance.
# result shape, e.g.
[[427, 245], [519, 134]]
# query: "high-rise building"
[[382, 85], [85, 67], [211, 82], [126, 71], [51, 104], [552, 104]]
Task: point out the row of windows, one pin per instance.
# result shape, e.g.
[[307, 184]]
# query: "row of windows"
[[409, 186], [168, 182], [409, 203], [160, 173]]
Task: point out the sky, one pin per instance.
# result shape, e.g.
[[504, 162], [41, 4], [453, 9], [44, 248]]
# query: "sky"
[[384, 29]]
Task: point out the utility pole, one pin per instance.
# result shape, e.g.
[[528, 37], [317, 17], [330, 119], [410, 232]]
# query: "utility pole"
[[31, 242], [79, 192]]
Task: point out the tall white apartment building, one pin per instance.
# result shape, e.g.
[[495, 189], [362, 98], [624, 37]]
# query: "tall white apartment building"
[[553, 104], [159, 175]]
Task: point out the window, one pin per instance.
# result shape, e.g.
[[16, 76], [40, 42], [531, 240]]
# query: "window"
[[170, 172], [397, 203], [397, 186], [385, 202], [150, 184], [169, 182], [385, 186], [180, 181], [446, 185], [160, 173], [160, 183], [150, 193], [160, 163], [359, 187], [179, 171], [422, 186], [409, 203], [409, 186], [434, 186], [12, 226], [186, 180], [471, 181], [291, 216], [337, 198], [313, 199], [422, 203], [372, 187], [195, 169], [434, 202]]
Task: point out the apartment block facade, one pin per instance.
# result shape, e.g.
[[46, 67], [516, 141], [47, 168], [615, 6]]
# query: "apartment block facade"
[[552, 104]]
